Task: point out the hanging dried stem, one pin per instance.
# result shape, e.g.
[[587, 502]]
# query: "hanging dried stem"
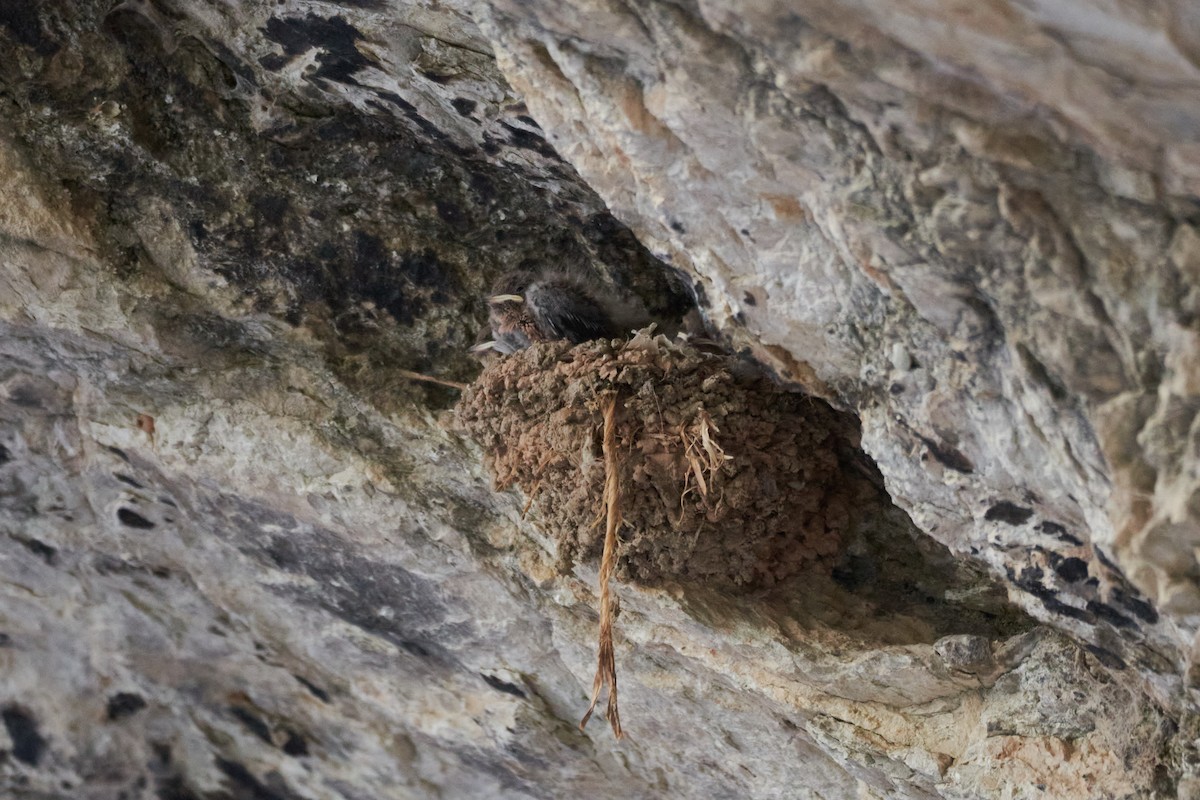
[[606, 665]]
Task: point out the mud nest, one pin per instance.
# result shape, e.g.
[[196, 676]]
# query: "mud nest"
[[723, 475]]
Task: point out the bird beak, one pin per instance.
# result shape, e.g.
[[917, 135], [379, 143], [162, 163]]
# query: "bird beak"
[[506, 298], [482, 347]]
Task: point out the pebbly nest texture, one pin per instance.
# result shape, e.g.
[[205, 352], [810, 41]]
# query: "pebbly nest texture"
[[723, 476]]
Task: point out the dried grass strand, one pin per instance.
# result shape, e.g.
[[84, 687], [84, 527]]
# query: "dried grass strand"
[[703, 454], [606, 664], [416, 376], [537, 482]]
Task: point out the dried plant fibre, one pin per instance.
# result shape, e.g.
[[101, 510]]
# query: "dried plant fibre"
[[606, 664]]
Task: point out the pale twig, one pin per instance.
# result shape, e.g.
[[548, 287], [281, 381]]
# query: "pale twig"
[[416, 376]]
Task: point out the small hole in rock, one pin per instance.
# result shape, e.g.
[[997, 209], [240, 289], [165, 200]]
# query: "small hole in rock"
[[315, 690], [124, 704], [133, 519], [295, 746], [28, 744]]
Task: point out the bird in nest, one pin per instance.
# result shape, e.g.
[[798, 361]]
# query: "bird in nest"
[[526, 308]]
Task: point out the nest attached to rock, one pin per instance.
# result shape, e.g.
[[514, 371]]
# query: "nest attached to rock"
[[723, 476]]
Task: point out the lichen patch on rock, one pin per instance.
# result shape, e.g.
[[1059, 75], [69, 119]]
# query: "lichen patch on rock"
[[723, 475]]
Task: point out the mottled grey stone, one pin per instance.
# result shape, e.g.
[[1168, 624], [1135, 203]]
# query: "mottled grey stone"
[[243, 555]]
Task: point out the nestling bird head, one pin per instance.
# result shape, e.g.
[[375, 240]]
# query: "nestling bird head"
[[526, 308]]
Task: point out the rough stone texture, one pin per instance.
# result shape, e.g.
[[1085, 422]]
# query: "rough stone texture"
[[242, 557], [972, 224]]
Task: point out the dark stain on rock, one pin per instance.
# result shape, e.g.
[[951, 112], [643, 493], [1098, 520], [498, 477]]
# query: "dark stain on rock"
[[374, 278], [1072, 570], [27, 395], [1106, 657], [119, 453], [484, 188], [339, 57], [21, 19], [1052, 604], [384, 599], [748, 299], [1059, 531], [451, 212], [1141, 608], [855, 572], [197, 231], [1029, 576], [315, 690], [123, 478], [1030, 580], [28, 744], [414, 116], [248, 787], [252, 723], [172, 787], [415, 648], [499, 766], [139, 35], [338, 130], [5, 455], [162, 753], [1038, 371], [463, 106], [528, 140], [1009, 513], [5, 640], [233, 63], [948, 456], [677, 226], [124, 704], [1106, 561], [105, 564], [503, 686], [295, 745], [441, 79], [133, 519], [368, 250], [284, 554], [270, 208], [1110, 615], [425, 270], [39, 548]]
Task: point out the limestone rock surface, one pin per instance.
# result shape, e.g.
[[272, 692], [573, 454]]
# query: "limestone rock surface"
[[244, 555]]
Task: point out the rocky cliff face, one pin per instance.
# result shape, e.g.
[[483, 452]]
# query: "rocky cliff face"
[[244, 555]]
